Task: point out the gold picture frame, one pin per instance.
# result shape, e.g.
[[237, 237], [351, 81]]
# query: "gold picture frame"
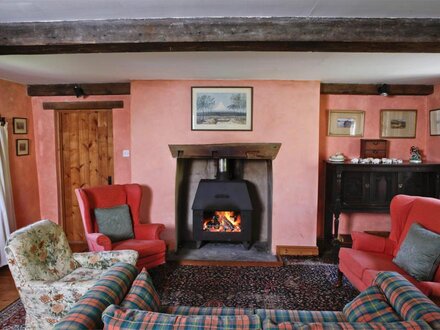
[[346, 122], [434, 122], [398, 123]]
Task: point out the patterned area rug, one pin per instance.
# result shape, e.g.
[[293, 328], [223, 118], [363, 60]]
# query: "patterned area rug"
[[13, 316], [302, 283]]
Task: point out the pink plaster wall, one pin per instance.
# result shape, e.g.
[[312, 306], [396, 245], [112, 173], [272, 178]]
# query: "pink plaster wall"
[[14, 102], [47, 154], [433, 142], [283, 111], [350, 146]]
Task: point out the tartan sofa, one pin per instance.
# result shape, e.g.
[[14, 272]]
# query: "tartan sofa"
[[124, 299]]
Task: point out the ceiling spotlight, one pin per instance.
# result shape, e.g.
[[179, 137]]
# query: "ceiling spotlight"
[[383, 90], [79, 91]]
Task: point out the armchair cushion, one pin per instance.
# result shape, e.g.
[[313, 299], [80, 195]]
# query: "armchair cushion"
[[142, 294], [419, 254], [115, 222], [143, 247]]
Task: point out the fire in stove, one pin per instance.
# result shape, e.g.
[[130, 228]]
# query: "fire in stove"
[[222, 221]]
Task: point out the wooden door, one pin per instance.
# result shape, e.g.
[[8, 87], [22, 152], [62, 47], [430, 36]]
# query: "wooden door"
[[86, 160]]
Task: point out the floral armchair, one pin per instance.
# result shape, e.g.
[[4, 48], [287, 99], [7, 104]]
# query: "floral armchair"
[[49, 277]]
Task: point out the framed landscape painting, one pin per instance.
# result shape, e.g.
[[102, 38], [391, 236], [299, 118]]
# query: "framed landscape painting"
[[346, 123], [221, 108], [398, 123]]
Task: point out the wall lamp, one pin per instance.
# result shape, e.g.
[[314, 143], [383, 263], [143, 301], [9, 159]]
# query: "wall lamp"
[[79, 92], [383, 90]]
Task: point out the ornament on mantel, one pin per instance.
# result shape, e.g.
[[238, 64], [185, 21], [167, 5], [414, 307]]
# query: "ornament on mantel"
[[415, 156]]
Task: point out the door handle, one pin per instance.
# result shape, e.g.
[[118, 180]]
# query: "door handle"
[[109, 180]]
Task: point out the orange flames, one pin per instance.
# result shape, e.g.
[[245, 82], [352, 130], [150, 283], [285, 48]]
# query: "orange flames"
[[223, 221]]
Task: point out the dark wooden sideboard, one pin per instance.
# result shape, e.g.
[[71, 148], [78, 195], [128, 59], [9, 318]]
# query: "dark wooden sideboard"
[[370, 188]]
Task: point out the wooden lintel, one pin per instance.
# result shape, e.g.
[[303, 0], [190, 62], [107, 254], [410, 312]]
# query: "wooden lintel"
[[84, 105], [223, 34], [266, 151], [88, 89], [372, 89]]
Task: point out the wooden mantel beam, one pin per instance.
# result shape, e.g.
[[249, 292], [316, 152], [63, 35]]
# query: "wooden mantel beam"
[[372, 89], [223, 34], [88, 89]]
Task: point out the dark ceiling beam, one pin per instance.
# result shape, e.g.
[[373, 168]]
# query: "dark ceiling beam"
[[88, 89], [372, 89], [83, 105], [223, 34]]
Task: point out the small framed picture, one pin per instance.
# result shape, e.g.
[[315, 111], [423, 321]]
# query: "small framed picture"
[[22, 147], [221, 108], [19, 125], [346, 123], [398, 123], [434, 122]]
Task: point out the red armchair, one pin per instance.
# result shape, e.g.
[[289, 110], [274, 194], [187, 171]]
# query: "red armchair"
[[146, 236], [371, 254]]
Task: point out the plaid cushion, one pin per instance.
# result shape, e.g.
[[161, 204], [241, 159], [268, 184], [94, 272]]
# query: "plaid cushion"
[[370, 306], [115, 318], [109, 289], [280, 315], [404, 325], [407, 300], [189, 310], [142, 294]]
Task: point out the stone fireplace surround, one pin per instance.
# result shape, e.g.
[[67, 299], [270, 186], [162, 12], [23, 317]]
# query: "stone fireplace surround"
[[249, 161]]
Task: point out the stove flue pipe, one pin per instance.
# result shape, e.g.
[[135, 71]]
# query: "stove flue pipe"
[[223, 169]]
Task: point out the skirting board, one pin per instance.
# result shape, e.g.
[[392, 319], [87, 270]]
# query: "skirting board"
[[289, 250]]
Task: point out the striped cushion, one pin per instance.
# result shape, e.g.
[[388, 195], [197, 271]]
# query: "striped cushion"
[[370, 306], [189, 310], [280, 315], [109, 289], [407, 300], [142, 294], [404, 325], [115, 318]]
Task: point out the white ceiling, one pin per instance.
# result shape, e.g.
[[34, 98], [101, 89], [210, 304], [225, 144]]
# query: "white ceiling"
[[120, 67], [325, 67], [54, 10]]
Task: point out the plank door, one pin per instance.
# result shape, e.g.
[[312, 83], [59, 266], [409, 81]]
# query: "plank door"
[[86, 160]]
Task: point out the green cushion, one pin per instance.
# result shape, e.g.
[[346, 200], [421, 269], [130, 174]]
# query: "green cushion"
[[115, 222], [419, 254]]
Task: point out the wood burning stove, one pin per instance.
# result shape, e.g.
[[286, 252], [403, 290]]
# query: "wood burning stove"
[[222, 209]]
